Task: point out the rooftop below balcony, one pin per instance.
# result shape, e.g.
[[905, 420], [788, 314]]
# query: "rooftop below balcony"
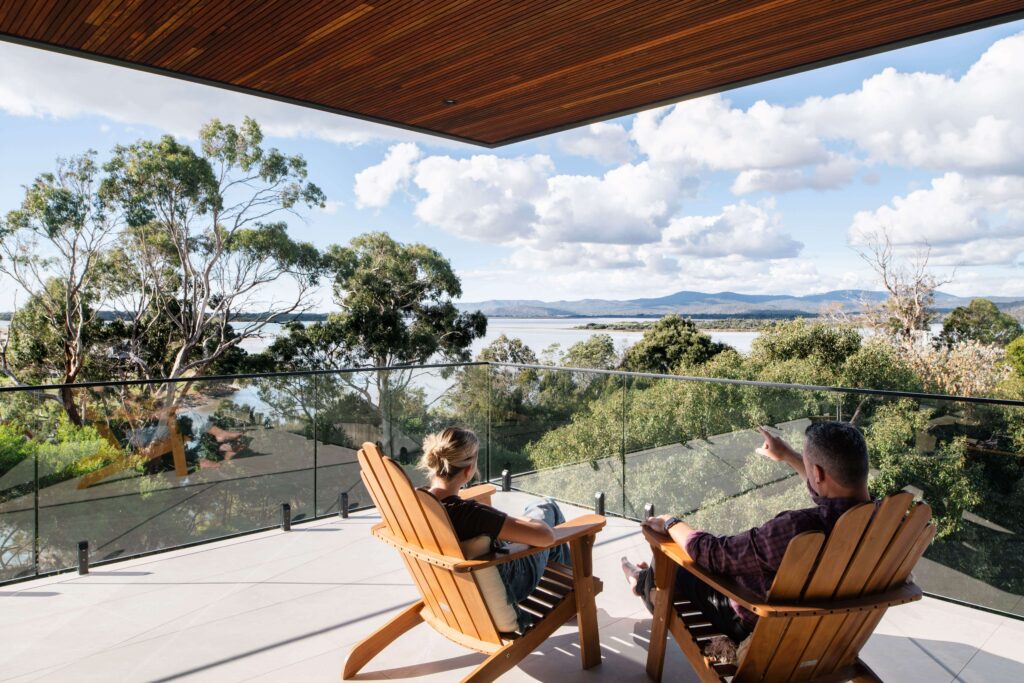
[[287, 606]]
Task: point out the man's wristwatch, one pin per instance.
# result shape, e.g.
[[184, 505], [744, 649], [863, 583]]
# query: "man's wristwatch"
[[671, 522]]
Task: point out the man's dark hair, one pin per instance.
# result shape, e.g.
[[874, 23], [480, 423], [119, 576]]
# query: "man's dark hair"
[[839, 448]]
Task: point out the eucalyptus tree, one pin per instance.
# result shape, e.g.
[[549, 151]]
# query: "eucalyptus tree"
[[669, 343], [205, 241], [396, 309], [50, 248], [979, 321]]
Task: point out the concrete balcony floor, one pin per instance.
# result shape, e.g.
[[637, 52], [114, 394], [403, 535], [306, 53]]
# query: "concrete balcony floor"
[[278, 606]]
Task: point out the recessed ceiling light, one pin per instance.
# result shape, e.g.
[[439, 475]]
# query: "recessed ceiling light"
[[449, 100]]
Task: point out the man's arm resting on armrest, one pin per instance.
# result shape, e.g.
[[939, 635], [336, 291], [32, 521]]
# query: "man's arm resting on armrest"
[[727, 555], [680, 532]]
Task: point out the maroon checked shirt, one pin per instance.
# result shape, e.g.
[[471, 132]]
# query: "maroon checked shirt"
[[753, 557]]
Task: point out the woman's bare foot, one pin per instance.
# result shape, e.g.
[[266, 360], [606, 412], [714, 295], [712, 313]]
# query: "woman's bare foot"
[[632, 572]]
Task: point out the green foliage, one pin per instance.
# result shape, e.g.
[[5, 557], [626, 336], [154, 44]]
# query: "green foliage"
[[949, 482], [50, 248], [875, 365], [74, 451], [823, 345], [1015, 355], [208, 448], [670, 343], [507, 350], [979, 321], [14, 448], [396, 302], [36, 353], [597, 351], [733, 515], [201, 240]]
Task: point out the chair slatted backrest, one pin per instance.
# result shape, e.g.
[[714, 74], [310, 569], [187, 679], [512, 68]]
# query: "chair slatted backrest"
[[870, 550], [417, 518]]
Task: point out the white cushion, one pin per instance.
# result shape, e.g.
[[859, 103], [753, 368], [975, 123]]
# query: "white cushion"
[[491, 586]]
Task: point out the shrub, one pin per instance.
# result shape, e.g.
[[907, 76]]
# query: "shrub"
[[14, 448], [948, 481], [1015, 355]]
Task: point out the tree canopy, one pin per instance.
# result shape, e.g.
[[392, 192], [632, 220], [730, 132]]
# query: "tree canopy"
[[980, 321], [1015, 355], [397, 303], [669, 343], [203, 242]]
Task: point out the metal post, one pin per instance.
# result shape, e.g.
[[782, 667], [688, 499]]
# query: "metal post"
[[286, 517], [648, 510], [490, 400], [506, 480], [83, 557], [35, 511], [599, 502], [343, 504]]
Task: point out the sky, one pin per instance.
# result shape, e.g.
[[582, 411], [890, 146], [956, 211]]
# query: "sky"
[[770, 188]]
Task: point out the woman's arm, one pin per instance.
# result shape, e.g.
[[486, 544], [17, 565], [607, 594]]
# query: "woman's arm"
[[529, 531]]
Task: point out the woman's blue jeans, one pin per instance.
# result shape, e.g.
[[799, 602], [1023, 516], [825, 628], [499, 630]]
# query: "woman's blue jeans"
[[521, 576]]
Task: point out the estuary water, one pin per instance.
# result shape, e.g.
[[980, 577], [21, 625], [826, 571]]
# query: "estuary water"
[[540, 333]]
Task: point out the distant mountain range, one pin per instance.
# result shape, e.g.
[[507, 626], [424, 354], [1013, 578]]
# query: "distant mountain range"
[[704, 304], [691, 304]]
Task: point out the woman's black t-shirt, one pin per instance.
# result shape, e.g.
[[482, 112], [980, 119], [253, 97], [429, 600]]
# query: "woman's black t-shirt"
[[472, 519]]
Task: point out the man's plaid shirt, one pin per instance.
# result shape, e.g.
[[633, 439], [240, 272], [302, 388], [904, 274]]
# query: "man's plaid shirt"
[[753, 557]]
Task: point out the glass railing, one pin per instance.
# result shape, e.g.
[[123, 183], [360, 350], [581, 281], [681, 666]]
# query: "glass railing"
[[133, 468], [137, 467], [686, 446]]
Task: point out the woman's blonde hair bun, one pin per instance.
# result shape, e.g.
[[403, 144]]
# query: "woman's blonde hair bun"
[[449, 451]]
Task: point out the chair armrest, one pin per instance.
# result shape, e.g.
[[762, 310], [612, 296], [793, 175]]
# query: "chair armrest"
[[381, 531], [585, 525], [908, 592], [481, 493], [722, 584]]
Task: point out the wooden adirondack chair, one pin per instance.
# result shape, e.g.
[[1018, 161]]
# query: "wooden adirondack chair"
[[825, 602], [417, 525]]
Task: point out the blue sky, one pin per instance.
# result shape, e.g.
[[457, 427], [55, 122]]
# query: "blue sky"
[[769, 188]]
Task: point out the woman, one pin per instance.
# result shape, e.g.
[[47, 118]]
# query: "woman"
[[450, 459]]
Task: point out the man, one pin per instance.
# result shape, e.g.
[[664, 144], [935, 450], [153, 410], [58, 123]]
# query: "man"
[[834, 466]]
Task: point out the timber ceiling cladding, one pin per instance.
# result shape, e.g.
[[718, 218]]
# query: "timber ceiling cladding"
[[486, 71]]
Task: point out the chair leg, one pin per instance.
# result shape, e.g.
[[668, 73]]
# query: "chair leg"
[[509, 656], [586, 603], [664, 580], [367, 648], [865, 674]]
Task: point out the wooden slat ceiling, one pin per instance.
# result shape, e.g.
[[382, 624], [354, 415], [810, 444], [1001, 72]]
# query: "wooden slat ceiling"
[[485, 71]]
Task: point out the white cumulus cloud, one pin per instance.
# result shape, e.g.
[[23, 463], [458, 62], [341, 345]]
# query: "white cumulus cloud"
[[965, 220], [609, 143], [710, 134], [974, 123], [833, 174], [749, 230], [485, 197], [375, 185]]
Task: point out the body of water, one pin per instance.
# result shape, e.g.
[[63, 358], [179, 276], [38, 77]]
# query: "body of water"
[[540, 333]]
